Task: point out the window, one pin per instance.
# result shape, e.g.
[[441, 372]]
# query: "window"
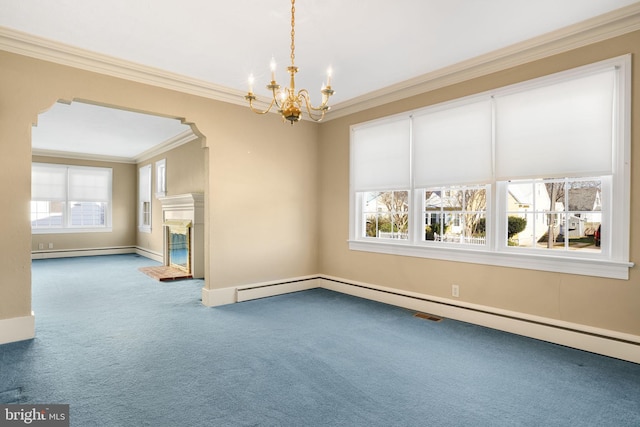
[[455, 214], [386, 214], [69, 199], [144, 199], [161, 178], [557, 214], [523, 176]]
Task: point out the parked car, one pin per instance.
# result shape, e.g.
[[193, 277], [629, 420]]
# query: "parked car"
[[596, 236]]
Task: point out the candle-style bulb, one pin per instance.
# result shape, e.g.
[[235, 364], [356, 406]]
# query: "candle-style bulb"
[[251, 80], [272, 66]]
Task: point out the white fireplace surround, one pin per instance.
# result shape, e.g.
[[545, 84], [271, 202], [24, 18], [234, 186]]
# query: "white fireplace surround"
[[190, 207]]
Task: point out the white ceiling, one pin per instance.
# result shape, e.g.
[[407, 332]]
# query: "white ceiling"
[[99, 131], [370, 44]]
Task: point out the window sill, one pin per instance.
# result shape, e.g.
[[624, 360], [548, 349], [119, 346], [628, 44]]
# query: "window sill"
[[559, 264]]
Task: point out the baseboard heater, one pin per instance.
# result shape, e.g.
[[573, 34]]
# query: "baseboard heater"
[[72, 253], [608, 343], [268, 289]]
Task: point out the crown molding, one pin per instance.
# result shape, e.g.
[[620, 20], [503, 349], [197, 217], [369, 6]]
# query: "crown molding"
[[170, 144], [41, 48], [81, 156], [600, 28], [603, 27]]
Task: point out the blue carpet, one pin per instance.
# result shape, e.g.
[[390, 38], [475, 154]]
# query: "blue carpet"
[[125, 350]]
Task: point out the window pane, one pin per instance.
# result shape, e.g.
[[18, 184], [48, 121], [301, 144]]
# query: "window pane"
[[433, 201], [585, 215], [87, 214], [455, 214], [554, 214], [46, 214], [386, 214]]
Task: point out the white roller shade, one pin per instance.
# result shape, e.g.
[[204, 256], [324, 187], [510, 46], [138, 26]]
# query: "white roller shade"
[[91, 184], [564, 129], [380, 156], [453, 146], [145, 183], [48, 182]]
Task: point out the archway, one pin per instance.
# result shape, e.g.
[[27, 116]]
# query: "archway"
[[81, 137]]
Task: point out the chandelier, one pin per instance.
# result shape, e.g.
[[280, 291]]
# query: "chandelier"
[[288, 102]]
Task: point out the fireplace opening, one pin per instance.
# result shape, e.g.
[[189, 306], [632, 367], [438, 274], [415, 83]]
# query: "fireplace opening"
[[179, 244]]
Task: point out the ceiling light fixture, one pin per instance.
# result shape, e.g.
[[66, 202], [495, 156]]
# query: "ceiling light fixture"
[[289, 102]]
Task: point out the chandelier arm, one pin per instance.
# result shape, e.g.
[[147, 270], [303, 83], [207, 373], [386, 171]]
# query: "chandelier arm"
[[274, 100], [311, 110], [304, 93], [255, 110]]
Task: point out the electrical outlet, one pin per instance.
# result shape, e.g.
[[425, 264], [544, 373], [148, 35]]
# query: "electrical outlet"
[[455, 291], [50, 245], [40, 245]]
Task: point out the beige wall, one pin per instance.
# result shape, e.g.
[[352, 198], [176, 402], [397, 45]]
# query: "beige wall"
[[185, 174], [261, 187], [605, 303], [123, 212], [270, 185]]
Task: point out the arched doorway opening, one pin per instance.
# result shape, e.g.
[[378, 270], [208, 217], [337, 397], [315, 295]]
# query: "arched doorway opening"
[[115, 167]]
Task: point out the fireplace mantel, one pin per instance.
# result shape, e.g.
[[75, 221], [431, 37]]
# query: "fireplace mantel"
[[188, 201], [186, 207]]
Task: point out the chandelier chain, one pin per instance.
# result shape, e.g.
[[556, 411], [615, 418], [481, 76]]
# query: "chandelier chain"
[[293, 31]]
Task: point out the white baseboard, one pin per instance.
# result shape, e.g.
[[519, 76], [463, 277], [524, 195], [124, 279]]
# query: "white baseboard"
[[217, 297], [262, 290], [69, 253], [17, 329], [596, 340], [223, 296], [149, 254], [601, 341]]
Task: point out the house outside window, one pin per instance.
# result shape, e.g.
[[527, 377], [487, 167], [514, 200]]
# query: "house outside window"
[[68, 199], [523, 176]]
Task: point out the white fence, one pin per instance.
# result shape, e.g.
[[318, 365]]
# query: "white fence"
[[460, 239], [453, 238]]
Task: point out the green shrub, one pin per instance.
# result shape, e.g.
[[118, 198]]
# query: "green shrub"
[[516, 225]]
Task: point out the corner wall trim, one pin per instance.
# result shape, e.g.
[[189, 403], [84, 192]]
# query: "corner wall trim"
[[17, 329], [596, 340]]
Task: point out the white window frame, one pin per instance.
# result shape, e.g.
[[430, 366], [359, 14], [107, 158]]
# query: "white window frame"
[[67, 227], [161, 178], [611, 262], [144, 196]]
